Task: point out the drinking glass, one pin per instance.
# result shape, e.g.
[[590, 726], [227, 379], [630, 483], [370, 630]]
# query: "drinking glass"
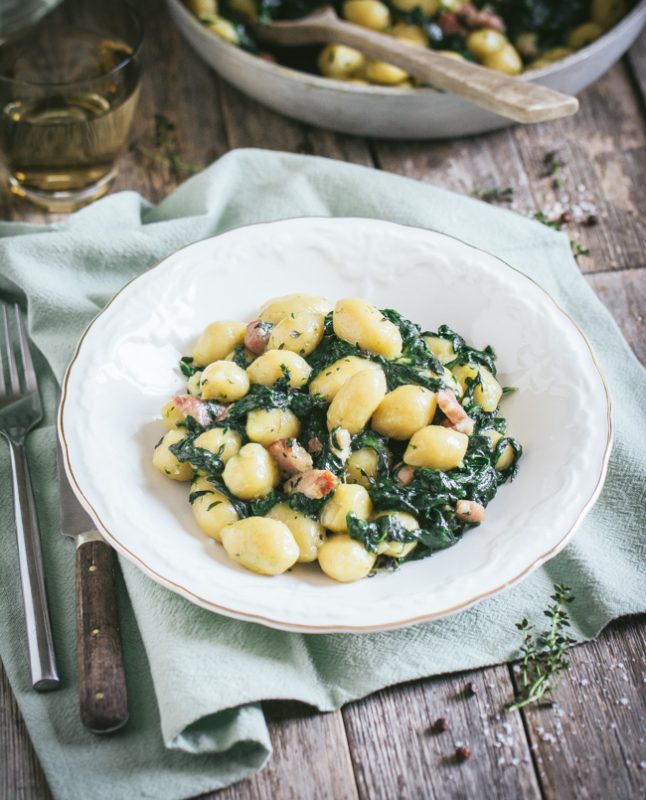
[[69, 87]]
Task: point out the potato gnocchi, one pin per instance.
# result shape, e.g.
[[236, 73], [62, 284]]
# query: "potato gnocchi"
[[343, 435]]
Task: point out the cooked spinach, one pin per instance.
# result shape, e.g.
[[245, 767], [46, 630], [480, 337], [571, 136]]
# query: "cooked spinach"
[[186, 366], [465, 354], [330, 349], [209, 463], [552, 20]]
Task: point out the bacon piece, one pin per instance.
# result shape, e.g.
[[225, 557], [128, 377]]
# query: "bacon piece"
[[469, 511], [315, 445], [405, 475], [450, 25], [203, 412], [457, 417], [257, 336], [290, 456], [485, 17], [315, 483]]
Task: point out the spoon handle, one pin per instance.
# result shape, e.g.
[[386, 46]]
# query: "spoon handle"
[[508, 96]]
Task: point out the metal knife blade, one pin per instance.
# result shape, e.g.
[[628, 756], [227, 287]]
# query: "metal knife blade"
[[75, 520]]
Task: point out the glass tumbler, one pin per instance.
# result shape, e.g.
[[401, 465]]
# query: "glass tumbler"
[[69, 87]]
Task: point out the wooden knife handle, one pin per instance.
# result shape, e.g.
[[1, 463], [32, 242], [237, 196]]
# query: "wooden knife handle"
[[102, 679]]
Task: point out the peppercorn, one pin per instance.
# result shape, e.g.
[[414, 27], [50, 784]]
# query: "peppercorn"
[[462, 753], [440, 725], [566, 217], [470, 689], [591, 220]]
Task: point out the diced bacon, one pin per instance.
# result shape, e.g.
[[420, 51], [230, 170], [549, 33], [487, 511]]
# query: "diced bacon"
[[290, 456], [202, 411], [257, 336], [405, 475], [315, 483], [450, 25], [315, 445], [469, 511], [485, 17], [450, 406]]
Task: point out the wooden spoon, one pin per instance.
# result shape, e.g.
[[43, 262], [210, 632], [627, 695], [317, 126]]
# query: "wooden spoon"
[[510, 97]]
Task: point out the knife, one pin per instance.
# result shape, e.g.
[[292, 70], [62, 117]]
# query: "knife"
[[102, 679]]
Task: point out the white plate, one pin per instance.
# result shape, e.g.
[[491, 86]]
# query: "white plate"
[[387, 111], [125, 369]]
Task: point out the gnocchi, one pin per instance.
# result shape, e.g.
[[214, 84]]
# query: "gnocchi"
[[212, 509], [274, 311], [404, 411], [488, 392], [300, 333], [166, 462], [273, 365], [219, 339], [224, 381], [348, 498], [252, 473], [308, 533], [357, 400], [328, 382], [260, 544], [436, 447], [315, 434], [345, 559], [360, 323], [268, 425]]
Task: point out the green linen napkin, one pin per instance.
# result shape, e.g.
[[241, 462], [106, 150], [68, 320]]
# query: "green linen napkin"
[[195, 679]]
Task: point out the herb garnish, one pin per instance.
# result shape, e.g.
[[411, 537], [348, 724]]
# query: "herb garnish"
[[544, 656], [165, 149], [494, 195]]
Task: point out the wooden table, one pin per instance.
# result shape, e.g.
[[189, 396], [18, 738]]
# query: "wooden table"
[[592, 744]]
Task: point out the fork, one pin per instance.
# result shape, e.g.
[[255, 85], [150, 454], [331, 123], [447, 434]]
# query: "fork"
[[20, 411]]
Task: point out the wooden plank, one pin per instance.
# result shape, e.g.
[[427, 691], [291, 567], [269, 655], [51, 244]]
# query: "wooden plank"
[[463, 165], [637, 64], [592, 742], [21, 777], [311, 760], [603, 149], [178, 84], [397, 752], [624, 294], [250, 124]]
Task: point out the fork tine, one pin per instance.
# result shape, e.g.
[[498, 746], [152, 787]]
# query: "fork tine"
[[25, 354], [11, 360]]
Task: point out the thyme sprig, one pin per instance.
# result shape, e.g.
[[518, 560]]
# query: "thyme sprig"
[[554, 166], [165, 149], [497, 194], [544, 657], [557, 224]]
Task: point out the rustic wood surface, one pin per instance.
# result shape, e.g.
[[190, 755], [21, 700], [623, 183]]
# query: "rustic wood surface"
[[592, 743]]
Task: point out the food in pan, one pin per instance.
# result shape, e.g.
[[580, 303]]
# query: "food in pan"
[[510, 36]]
